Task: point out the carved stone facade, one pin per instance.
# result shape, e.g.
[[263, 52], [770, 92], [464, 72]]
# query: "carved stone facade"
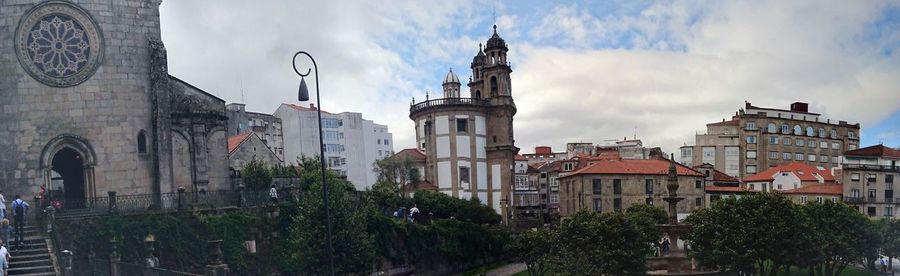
[[90, 107]]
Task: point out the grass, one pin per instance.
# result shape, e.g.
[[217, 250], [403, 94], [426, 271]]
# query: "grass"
[[521, 273], [484, 269], [849, 271]]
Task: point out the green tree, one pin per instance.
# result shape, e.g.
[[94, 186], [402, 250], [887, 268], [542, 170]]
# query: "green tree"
[[591, 243], [444, 207], [847, 236], [534, 247], [397, 172], [890, 233], [256, 175], [279, 170], [761, 231], [646, 217], [306, 244]]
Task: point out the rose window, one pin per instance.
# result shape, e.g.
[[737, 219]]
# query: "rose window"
[[58, 46]]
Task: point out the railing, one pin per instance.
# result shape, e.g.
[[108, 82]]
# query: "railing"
[[872, 167], [170, 202], [103, 267], [853, 199], [448, 102]]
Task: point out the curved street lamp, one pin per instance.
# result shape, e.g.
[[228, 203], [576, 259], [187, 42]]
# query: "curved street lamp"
[[303, 95]]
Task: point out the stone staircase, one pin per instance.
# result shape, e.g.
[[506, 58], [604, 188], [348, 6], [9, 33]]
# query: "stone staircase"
[[33, 257], [77, 214]]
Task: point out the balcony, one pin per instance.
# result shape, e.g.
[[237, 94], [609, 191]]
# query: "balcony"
[[447, 102], [853, 199], [872, 167]]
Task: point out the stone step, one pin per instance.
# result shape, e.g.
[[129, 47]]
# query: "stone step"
[[14, 262], [29, 257], [38, 274], [30, 269], [29, 251], [30, 245]]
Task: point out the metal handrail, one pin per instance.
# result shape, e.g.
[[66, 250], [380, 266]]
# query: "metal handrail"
[[448, 102]]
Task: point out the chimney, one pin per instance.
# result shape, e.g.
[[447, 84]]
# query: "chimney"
[[543, 150], [312, 106], [800, 107]]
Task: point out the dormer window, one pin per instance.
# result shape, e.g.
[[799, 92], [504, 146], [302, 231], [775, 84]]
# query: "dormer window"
[[568, 166]]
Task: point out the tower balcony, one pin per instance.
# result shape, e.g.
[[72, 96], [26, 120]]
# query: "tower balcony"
[[447, 102]]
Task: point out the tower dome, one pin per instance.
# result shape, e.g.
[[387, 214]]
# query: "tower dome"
[[451, 77], [496, 42], [479, 58]]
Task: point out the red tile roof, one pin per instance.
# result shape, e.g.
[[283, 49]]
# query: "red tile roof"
[[628, 166], [874, 151], [519, 157], [235, 141], [803, 171], [311, 108], [818, 189], [415, 154]]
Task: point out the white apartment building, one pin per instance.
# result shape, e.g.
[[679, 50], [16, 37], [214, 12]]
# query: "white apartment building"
[[352, 144]]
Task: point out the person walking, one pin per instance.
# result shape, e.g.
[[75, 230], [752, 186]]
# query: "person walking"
[[883, 264], [2, 206], [413, 213], [20, 207], [5, 231], [273, 193], [665, 247], [4, 259]]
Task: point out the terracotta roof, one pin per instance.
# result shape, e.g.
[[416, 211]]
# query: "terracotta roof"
[[628, 166], [519, 157], [421, 185], [415, 154], [732, 122], [818, 189], [717, 175], [235, 141], [874, 151], [732, 189], [311, 108], [803, 171]]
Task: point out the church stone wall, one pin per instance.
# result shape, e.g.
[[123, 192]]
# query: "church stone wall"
[[107, 110]]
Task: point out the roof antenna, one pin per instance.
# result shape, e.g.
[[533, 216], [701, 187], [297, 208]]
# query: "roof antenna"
[[635, 132], [243, 101]]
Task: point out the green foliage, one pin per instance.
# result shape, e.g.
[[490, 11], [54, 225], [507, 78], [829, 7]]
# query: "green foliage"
[[233, 229], [256, 175], [532, 247], [445, 207], [279, 171], [646, 217], [847, 236], [305, 248], [890, 233], [396, 172], [592, 243]]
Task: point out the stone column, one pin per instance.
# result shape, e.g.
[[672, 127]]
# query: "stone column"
[[113, 205], [215, 266], [181, 204], [114, 258]]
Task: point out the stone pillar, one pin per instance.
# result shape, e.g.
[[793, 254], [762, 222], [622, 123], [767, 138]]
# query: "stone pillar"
[[113, 205], [215, 266], [114, 258], [150, 261], [181, 204]]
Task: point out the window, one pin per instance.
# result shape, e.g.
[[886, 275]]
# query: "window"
[[854, 177], [597, 186], [331, 123], [854, 193], [597, 203], [462, 125], [386, 141], [851, 147], [648, 186], [142, 142], [464, 176], [617, 204], [698, 202], [334, 148], [888, 211], [568, 166], [822, 132], [709, 155], [773, 140], [785, 129], [773, 155], [427, 128], [772, 128], [833, 134], [554, 183], [835, 145], [751, 168], [493, 86], [378, 142], [751, 154], [751, 125], [802, 199], [732, 151], [812, 143], [786, 155], [331, 135], [522, 182], [818, 199], [698, 184], [871, 211], [834, 159], [798, 130], [752, 187], [751, 139], [787, 141], [889, 179], [823, 144], [779, 187], [823, 158], [554, 198], [851, 135], [834, 199], [872, 194], [870, 177], [810, 131], [617, 186], [799, 142], [811, 157]]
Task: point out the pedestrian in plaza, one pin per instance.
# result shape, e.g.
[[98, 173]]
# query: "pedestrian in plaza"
[[883, 264], [2, 206], [20, 207], [665, 247], [4, 259], [413, 213], [5, 231], [273, 193]]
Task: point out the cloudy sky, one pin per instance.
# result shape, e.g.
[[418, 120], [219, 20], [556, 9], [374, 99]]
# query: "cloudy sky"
[[582, 71]]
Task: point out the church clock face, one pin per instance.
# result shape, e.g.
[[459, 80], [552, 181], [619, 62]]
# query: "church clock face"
[[58, 44]]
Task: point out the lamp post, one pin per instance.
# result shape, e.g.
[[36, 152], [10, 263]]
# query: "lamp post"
[[303, 95]]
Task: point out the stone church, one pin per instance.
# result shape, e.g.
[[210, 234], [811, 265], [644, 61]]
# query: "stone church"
[[89, 107], [468, 140]]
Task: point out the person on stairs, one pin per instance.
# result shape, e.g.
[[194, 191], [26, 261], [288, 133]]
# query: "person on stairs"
[[4, 259], [20, 207]]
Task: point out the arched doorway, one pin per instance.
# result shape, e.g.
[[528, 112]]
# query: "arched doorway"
[[69, 186]]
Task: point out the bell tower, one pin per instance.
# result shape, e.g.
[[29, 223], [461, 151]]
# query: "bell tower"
[[451, 85]]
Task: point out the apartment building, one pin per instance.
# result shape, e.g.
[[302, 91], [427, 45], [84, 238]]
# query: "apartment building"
[[615, 184], [352, 144], [266, 126], [757, 138], [788, 176], [868, 175]]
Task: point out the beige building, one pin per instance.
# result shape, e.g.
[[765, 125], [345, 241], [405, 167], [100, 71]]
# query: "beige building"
[[246, 147], [757, 138], [615, 184], [868, 175], [468, 141]]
